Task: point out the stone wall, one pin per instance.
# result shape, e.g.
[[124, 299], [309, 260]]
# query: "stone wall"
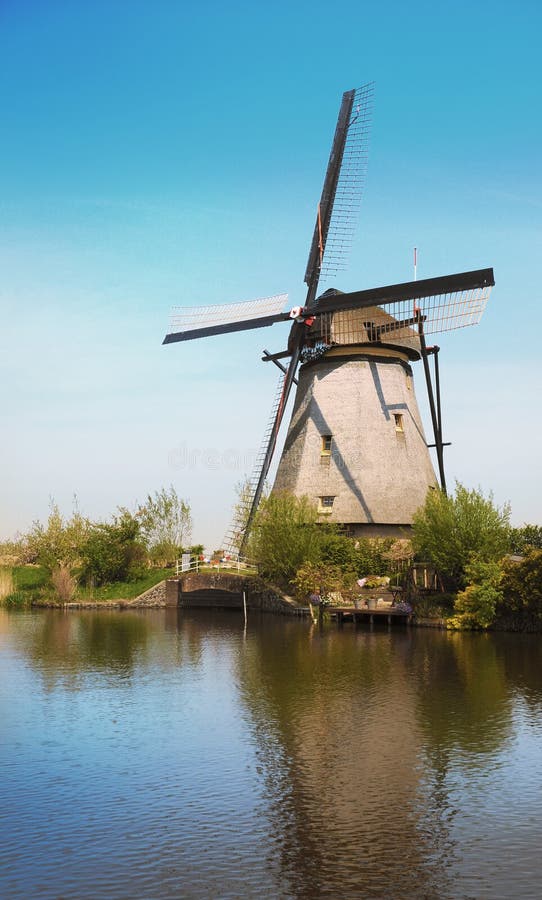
[[155, 596]]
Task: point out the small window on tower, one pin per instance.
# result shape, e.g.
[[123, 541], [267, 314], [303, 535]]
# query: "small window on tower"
[[326, 503], [326, 444], [398, 422]]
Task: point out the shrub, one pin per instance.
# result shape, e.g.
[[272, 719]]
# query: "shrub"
[[164, 554], [528, 537], [372, 556], [59, 542], [522, 587], [64, 584], [17, 599], [285, 536], [324, 580], [448, 530], [113, 551], [475, 607], [6, 584], [435, 606]]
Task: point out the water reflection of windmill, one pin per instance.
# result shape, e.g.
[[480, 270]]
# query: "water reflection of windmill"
[[355, 442]]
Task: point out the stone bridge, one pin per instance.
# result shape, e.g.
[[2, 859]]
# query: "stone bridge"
[[218, 590]]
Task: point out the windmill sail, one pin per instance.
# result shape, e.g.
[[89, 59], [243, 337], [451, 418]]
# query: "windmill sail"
[[188, 323], [445, 303], [340, 202], [353, 114]]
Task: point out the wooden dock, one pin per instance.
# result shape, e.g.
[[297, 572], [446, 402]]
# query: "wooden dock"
[[387, 615]]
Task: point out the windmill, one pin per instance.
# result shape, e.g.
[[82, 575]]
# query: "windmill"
[[355, 442]]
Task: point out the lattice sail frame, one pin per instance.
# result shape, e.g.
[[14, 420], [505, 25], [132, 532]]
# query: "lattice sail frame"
[[191, 318], [396, 322], [348, 194]]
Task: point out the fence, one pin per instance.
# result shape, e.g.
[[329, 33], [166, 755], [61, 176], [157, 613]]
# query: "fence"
[[240, 563]]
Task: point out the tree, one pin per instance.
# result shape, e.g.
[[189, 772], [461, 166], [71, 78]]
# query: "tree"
[[58, 544], [522, 587], [525, 538], [166, 525], [285, 535], [114, 551], [449, 530]]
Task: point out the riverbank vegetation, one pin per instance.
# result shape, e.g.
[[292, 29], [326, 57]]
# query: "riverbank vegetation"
[[478, 571], [74, 558], [464, 540]]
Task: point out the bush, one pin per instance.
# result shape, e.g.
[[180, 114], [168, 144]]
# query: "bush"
[[365, 556], [448, 530], [285, 536], [372, 556], [337, 550], [475, 607], [528, 537], [165, 554], [17, 599], [324, 580], [59, 542], [435, 606], [522, 587], [113, 551], [6, 584], [64, 584]]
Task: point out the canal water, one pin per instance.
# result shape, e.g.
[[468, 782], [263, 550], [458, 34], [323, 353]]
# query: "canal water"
[[159, 754]]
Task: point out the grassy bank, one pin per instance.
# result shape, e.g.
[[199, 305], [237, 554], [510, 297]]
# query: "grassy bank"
[[31, 586], [124, 590]]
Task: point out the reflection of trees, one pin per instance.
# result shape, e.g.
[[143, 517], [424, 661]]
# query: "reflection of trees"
[[62, 644], [67, 644], [521, 658], [334, 715], [462, 694]]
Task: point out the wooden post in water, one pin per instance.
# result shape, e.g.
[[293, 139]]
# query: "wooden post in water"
[[245, 606]]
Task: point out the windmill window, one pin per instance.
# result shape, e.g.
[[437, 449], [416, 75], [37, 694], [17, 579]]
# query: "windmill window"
[[326, 503], [398, 422], [326, 444]]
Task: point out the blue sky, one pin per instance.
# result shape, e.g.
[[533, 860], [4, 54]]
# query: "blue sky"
[[166, 153]]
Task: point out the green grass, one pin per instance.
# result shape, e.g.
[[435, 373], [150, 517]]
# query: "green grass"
[[29, 578], [27, 581], [31, 584], [124, 590]]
